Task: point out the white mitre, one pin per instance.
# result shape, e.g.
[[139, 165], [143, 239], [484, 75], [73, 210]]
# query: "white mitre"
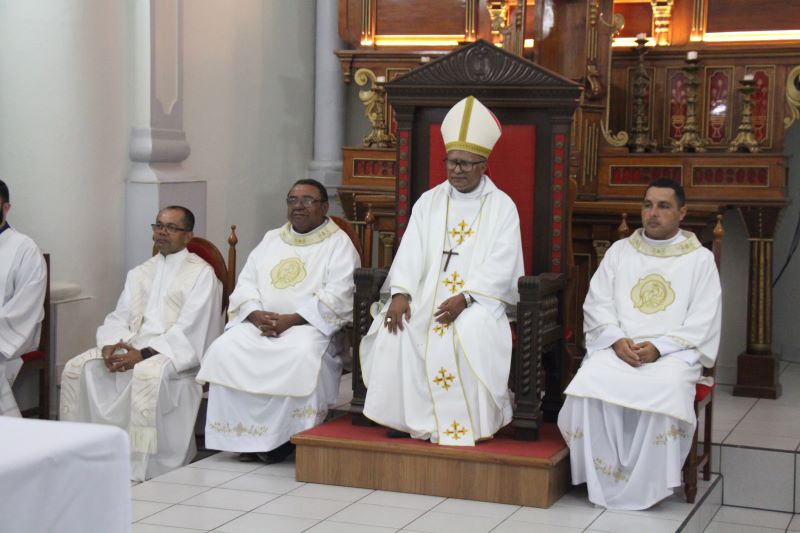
[[470, 126]]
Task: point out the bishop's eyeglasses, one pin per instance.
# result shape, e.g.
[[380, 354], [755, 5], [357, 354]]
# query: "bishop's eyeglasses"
[[172, 229], [306, 201], [466, 166]]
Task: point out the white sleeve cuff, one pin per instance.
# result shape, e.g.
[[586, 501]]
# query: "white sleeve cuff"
[[666, 346], [244, 311], [313, 312], [606, 339]]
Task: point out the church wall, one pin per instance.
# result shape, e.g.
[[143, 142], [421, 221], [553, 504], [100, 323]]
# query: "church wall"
[[248, 109], [786, 333], [64, 120]]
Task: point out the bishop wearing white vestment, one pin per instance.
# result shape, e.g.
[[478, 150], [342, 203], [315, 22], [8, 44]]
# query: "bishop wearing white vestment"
[[141, 375], [276, 369], [652, 321], [23, 281], [437, 358]]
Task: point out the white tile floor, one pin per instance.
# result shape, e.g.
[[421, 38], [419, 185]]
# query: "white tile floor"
[[223, 495]]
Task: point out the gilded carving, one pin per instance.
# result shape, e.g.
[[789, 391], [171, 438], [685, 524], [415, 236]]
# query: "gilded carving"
[[793, 96]]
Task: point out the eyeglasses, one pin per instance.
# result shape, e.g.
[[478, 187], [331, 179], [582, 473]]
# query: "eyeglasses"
[[172, 229], [466, 166], [307, 201]]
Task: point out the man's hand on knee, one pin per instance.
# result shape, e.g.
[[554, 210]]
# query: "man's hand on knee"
[[448, 310], [122, 362], [624, 348], [647, 352], [398, 309]]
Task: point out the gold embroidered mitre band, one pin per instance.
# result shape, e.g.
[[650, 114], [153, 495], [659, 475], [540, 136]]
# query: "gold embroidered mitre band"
[[470, 126]]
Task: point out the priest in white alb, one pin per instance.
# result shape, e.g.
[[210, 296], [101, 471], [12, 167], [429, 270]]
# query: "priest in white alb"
[[652, 322], [437, 358], [276, 369], [23, 282], [141, 374]]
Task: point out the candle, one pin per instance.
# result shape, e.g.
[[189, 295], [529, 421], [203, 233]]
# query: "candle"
[[641, 36], [380, 79], [691, 55], [749, 77]]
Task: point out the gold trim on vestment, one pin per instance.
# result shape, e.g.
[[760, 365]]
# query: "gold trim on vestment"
[[614, 473], [239, 429], [315, 236], [688, 245], [673, 433]]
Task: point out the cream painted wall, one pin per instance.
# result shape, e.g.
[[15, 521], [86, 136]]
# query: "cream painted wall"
[[248, 109]]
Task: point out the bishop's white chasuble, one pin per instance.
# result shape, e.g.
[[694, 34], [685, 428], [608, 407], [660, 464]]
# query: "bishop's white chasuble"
[[265, 389], [449, 383], [23, 282], [629, 428], [171, 304]]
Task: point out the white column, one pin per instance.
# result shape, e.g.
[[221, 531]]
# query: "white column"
[[158, 143], [329, 99]]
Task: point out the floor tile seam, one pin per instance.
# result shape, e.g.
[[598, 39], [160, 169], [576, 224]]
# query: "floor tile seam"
[[349, 504], [245, 513], [740, 420], [518, 507], [755, 509], [756, 448], [374, 525], [148, 516]]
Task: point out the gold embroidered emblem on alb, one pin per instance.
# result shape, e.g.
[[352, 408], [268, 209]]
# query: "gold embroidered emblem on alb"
[[288, 273], [652, 294]]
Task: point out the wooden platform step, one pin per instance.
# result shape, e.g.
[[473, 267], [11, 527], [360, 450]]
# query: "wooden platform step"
[[501, 470]]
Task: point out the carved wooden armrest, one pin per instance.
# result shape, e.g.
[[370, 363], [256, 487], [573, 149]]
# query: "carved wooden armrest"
[[538, 360], [368, 282]]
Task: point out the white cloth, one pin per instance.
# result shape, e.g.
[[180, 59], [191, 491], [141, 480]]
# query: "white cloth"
[[449, 384], [270, 378], [171, 304], [65, 477], [668, 293], [23, 282]]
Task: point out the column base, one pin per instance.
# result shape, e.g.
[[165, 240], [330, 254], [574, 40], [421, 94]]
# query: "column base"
[[757, 377]]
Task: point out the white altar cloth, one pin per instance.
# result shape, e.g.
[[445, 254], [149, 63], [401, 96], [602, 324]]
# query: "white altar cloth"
[[63, 476]]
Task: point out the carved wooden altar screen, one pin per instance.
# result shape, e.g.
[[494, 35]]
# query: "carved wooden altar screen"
[[534, 107]]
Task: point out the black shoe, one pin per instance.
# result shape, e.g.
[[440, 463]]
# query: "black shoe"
[[278, 455], [397, 434], [248, 457]]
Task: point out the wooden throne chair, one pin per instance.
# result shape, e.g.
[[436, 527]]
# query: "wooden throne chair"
[[530, 163]]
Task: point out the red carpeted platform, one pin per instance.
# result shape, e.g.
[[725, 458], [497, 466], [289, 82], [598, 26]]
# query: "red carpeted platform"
[[500, 470]]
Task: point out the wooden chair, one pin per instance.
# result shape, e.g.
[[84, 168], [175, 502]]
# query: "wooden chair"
[[530, 163], [41, 360], [703, 402], [351, 232]]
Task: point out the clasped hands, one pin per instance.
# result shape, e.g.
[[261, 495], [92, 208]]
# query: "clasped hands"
[[120, 362], [400, 309], [635, 354], [273, 324]]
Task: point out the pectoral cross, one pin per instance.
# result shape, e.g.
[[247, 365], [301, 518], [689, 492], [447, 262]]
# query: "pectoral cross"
[[449, 253]]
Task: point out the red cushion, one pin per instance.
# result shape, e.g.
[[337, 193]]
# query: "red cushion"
[[701, 391], [32, 356]]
